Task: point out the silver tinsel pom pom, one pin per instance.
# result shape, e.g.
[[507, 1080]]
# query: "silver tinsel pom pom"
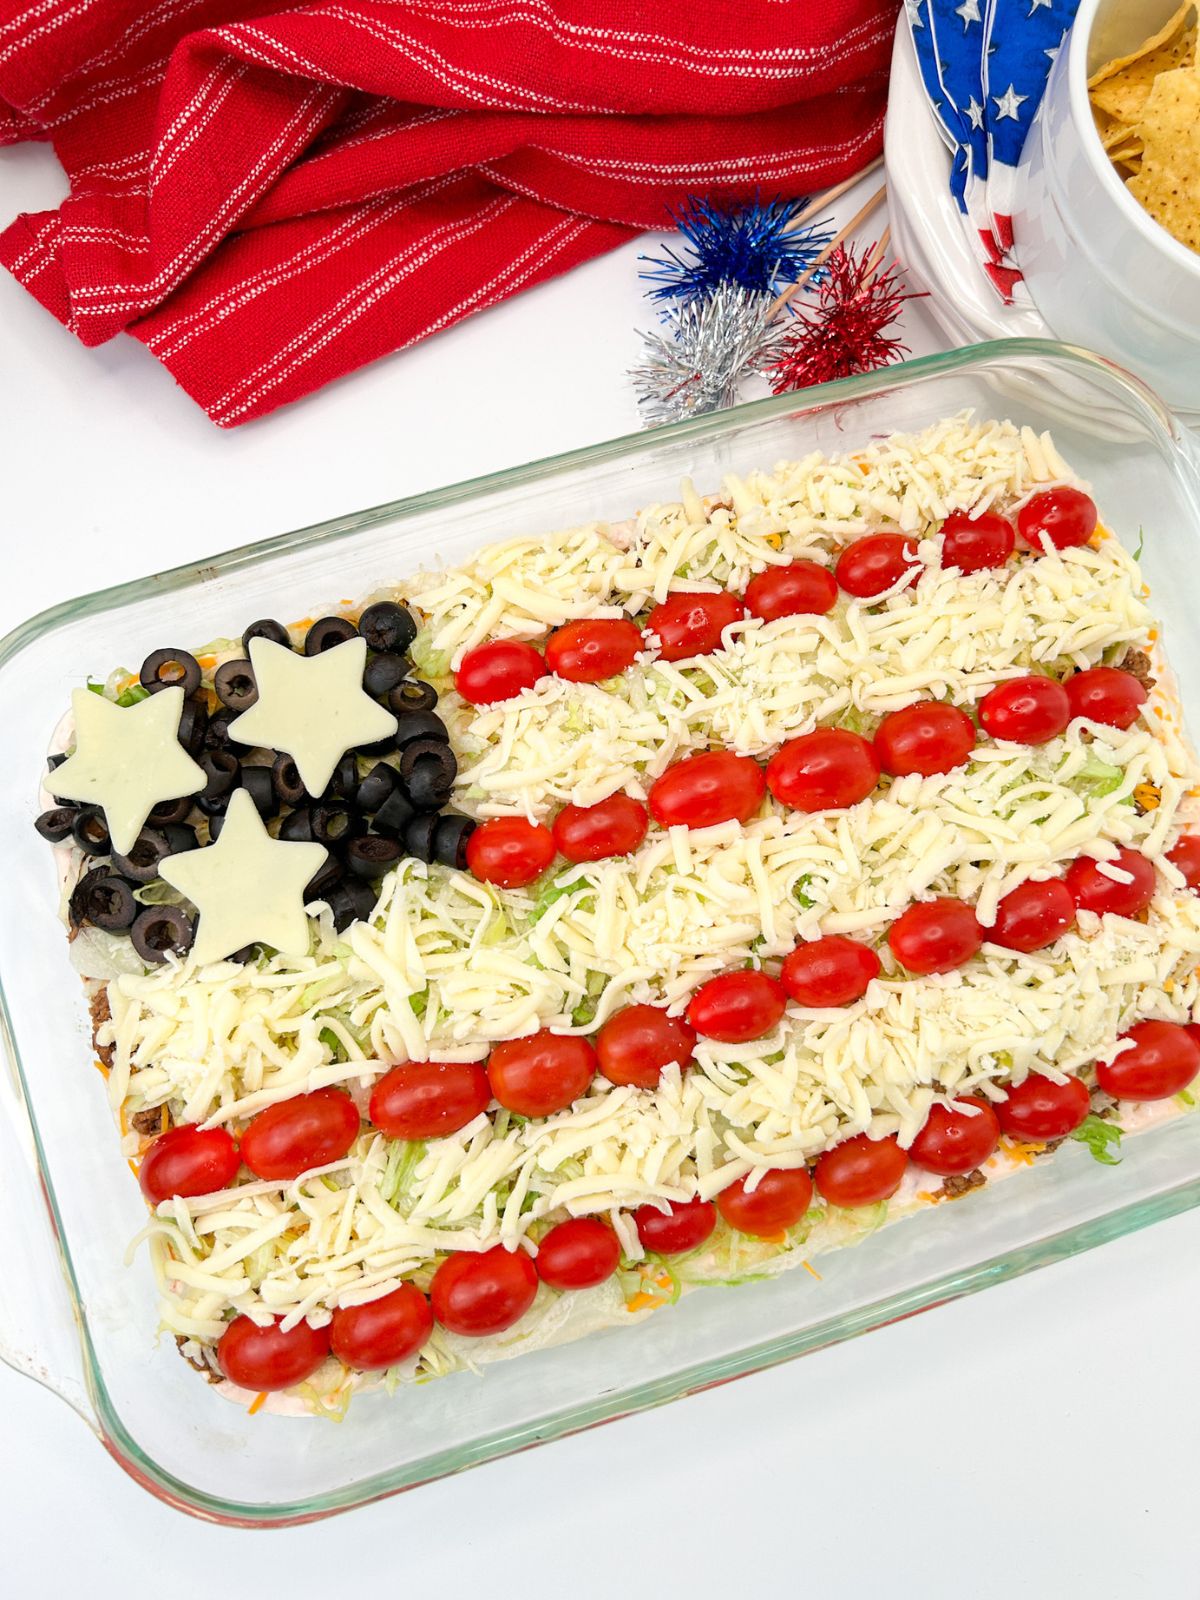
[[709, 347]]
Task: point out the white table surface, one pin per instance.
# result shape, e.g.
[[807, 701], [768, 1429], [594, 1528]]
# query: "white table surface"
[[1035, 1440]]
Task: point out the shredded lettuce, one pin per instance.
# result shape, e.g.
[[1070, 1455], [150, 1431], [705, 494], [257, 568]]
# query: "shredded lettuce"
[[419, 1002], [333, 1044], [404, 1158], [551, 889], [430, 663], [1099, 777], [1099, 1135]]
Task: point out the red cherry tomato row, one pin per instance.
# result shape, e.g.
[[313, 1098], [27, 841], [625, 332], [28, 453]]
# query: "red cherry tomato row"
[[692, 624]]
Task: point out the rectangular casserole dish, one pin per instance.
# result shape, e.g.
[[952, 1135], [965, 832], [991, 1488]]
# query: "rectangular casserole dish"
[[87, 1331]]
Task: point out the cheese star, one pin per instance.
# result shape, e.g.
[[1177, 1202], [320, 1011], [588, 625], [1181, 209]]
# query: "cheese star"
[[248, 887], [127, 759], [313, 708]]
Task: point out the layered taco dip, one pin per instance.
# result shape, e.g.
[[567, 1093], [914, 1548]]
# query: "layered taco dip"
[[650, 905]]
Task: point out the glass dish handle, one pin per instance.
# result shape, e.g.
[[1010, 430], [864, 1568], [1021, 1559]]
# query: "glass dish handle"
[[38, 1333]]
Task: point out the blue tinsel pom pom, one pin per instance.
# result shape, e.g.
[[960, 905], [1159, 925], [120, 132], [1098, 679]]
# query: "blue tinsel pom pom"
[[747, 245]]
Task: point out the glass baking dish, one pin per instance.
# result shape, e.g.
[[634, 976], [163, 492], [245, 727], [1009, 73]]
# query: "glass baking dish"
[[74, 1316]]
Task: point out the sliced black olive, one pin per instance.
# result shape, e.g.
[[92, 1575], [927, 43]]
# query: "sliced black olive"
[[193, 724], [427, 771], [110, 904], [333, 822], [222, 772], [90, 831], [159, 931], [234, 684], [351, 901], [170, 669], [371, 855], [375, 787], [216, 735], [383, 672], [248, 952], [170, 811], [216, 821], [258, 785], [77, 906], [344, 782], [323, 881], [450, 840], [326, 632], [394, 815], [296, 827], [285, 775], [56, 825], [214, 805], [387, 626], [420, 836], [427, 786], [412, 725], [180, 837], [267, 628], [56, 761], [414, 694], [150, 848]]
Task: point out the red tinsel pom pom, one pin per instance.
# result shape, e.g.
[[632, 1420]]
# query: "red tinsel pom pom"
[[847, 330]]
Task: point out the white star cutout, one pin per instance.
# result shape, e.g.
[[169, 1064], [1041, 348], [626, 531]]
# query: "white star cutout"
[[248, 887], [975, 113], [1009, 103], [127, 759], [969, 12], [312, 707], [913, 7]]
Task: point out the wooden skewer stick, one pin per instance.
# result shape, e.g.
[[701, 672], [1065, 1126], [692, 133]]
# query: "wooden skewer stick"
[[875, 259], [855, 221], [830, 195]]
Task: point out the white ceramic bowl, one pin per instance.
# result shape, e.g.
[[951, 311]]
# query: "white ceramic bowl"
[[1102, 272]]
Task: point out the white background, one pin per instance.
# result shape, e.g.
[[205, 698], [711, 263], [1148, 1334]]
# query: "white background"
[[1039, 1439]]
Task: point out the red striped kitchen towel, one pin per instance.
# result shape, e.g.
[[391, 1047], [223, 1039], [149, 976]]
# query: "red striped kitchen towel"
[[268, 197]]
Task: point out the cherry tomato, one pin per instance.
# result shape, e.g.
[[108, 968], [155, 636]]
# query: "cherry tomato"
[[589, 652], [692, 624], [927, 737], [612, 827], [636, 1044], [1025, 710], [735, 1007], [509, 851], [578, 1254], [1032, 915], [429, 1099], [861, 1171], [935, 935], [1107, 695], [309, 1130], [541, 1073], [683, 1226], [702, 790], [498, 671], [1063, 517], [869, 566], [268, 1358], [1163, 1060], [381, 1332], [825, 770], [1039, 1108], [1094, 890], [1185, 855], [973, 543], [803, 589], [477, 1293], [777, 1203], [954, 1142], [189, 1160], [833, 971]]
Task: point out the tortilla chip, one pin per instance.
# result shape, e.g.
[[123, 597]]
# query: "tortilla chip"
[[1123, 94], [1164, 36], [1168, 184]]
